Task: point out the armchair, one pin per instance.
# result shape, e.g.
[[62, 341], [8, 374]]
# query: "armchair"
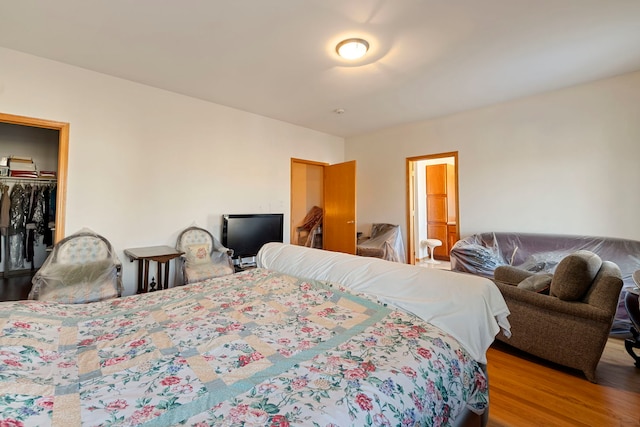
[[385, 242], [569, 326], [204, 257], [309, 232], [81, 268]]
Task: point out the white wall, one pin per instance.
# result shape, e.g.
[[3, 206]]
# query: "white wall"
[[145, 163], [561, 162]]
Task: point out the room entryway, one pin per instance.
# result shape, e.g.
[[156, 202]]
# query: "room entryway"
[[331, 188], [432, 207]]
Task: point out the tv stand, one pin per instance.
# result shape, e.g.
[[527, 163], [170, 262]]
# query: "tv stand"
[[241, 264]]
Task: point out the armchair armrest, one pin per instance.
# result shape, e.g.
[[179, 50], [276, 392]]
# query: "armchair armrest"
[[510, 275], [227, 251], [547, 303]]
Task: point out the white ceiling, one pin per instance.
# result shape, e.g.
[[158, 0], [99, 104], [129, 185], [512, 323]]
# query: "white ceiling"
[[277, 58]]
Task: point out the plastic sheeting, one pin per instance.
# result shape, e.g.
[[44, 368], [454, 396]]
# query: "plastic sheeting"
[[385, 242], [482, 253], [220, 257], [81, 268]]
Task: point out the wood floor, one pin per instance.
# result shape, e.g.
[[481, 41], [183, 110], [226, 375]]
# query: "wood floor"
[[15, 288], [526, 391]]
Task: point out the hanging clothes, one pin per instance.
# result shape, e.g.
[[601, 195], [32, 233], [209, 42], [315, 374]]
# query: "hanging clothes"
[[5, 205], [49, 193], [29, 203], [17, 226]]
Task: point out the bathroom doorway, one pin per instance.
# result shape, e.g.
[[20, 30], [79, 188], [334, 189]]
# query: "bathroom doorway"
[[432, 205]]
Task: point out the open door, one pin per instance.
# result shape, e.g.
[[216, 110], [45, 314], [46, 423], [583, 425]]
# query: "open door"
[[339, 227]]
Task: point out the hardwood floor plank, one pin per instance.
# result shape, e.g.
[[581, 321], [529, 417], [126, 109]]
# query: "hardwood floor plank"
[[527, 391]]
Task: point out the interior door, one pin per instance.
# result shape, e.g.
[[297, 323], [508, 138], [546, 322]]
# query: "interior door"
[[339, 222], [437, 208]]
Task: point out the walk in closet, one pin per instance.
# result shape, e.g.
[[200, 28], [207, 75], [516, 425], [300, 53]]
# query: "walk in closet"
[[28, 203]]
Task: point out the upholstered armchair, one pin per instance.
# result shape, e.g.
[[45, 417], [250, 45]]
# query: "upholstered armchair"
[[385, 242], [564, 317], [81, 268], [204, 257]]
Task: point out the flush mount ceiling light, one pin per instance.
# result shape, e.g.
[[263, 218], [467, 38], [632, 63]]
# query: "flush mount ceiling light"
[[352, 48]]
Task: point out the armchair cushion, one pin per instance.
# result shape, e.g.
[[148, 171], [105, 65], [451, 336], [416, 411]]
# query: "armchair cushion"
[[537, 282], [574, 275], [80, 283], [198, 254], [208, 270], [72, 274]]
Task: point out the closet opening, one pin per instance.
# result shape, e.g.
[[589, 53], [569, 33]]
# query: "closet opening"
[[33, 175]]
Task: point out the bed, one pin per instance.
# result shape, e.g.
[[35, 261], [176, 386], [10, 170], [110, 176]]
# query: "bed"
[[277, 345]]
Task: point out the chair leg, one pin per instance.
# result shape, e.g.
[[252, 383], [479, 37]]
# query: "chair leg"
[[631, 343]]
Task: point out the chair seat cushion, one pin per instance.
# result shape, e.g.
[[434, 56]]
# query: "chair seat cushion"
[[75, 284], [574, 275], [199, 272]]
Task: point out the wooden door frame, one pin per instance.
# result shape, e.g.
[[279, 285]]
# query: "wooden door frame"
[[63, 158], [410, 185]]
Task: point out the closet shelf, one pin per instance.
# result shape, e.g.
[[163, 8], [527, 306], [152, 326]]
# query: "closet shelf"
[[16, 179]]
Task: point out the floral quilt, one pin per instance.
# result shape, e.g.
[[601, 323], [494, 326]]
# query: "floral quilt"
[[257, 348]]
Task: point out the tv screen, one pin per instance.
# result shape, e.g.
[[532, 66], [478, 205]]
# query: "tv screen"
[[246, 234]]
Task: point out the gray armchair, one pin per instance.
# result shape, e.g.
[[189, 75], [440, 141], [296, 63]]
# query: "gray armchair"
[[569, 326]]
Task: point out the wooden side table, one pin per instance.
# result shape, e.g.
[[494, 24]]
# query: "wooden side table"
[[159, 254]]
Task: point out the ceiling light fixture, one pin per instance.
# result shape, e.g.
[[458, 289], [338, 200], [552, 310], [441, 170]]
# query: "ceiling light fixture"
[[352, 48]]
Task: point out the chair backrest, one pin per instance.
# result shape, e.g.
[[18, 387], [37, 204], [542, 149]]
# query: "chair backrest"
[[381, 228], [312, 219], [81, 248], [195, 236]]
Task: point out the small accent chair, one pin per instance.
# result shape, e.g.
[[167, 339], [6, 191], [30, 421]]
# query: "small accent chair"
[[632, 304], [204, 257], [309, 232], [564, 317], [81, 268], [385, 242]]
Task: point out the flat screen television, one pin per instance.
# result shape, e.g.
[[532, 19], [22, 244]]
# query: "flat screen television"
[[246, 233]]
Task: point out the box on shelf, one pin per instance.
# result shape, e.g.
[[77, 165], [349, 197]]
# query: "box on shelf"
[[22, 164], [4, 171], [48, 174]]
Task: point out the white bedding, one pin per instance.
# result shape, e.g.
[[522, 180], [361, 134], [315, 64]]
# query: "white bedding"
[[470, 308]]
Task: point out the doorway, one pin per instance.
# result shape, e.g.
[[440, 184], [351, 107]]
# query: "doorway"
[[28, 133], [432, 204], [333, 189]]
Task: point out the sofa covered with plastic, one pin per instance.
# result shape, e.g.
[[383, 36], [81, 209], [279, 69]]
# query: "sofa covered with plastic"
[[482, 253]]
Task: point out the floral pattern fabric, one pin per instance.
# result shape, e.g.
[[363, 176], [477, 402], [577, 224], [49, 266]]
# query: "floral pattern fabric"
[[257, 348]]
